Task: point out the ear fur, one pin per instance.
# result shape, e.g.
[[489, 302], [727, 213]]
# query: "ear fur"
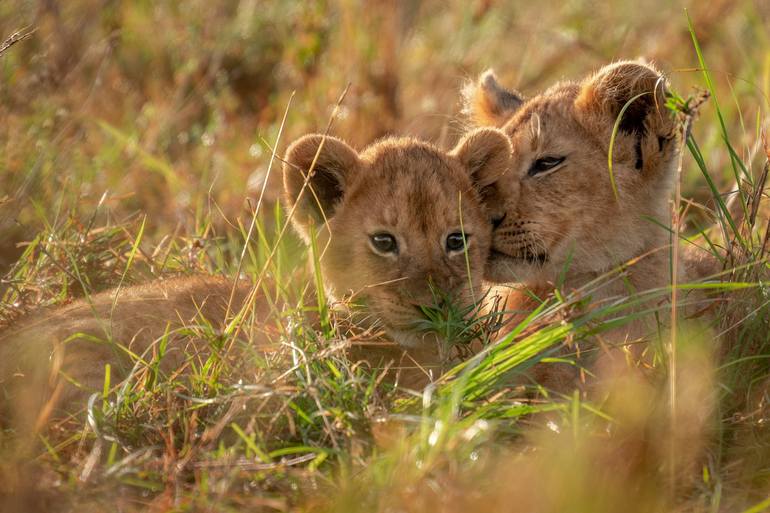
[[607, 92], [329, 162], [488, 103], [486, 155], [647, 130]]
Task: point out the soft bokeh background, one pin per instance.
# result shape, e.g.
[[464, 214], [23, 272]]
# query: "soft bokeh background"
[[150, 125]]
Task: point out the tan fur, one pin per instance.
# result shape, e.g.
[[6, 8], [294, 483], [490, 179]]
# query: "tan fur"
[[59, 355], [572, 213], [412, 191], [402, 186], [567, 225], [487, 102]]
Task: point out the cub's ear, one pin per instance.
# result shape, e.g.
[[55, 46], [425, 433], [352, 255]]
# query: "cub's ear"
[[329, 163], [632, 83], [486, 155], [488, 103]]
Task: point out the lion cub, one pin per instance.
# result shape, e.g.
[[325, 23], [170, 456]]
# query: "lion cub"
[[566, 216], [397, 224], [568, 219]]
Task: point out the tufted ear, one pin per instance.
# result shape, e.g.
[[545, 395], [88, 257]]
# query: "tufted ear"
[[634, 83], [329, 162], [486, 155], [646, 128], [488, 103]]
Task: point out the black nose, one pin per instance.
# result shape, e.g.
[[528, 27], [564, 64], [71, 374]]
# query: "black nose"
[[497, 221]]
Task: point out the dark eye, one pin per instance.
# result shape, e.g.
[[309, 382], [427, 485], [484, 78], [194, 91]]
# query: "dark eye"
[[456, 241], [544, 164], [384, 243]]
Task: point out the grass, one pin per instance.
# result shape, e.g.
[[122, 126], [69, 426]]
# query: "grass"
[[136, 143]]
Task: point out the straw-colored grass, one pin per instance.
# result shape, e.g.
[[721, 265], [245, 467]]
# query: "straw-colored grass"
[[134, 145]]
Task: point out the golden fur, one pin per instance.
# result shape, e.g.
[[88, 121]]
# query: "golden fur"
[[571, 215], [562, 221], [417, 194], [403, 187]]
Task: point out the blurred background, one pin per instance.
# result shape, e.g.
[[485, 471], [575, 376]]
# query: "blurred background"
[[150, 125], [172, 108]]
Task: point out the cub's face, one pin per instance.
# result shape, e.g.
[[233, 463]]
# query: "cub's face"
[[405, 227], [564, 215]]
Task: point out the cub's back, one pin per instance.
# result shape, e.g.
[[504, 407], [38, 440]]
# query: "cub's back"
[[78, 340]]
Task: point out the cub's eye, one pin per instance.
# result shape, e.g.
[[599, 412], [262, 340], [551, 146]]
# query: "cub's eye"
[[544, 164], [456, 241], [384, 243]]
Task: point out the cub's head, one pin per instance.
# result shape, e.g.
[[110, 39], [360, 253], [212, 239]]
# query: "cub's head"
[[563, 208], [400, 225]]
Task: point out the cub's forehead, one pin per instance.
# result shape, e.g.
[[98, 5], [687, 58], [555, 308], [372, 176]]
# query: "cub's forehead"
[[412, 183], [544, 119], [416, 163]]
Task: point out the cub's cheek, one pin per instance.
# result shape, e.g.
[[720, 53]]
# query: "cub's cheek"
[[481, 252]]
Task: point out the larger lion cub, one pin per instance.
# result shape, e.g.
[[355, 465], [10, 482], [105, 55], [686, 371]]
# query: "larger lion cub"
[[399, 225], [568, 215]]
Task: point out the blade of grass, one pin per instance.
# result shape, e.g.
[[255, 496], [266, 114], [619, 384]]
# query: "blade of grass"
[[614, 134]]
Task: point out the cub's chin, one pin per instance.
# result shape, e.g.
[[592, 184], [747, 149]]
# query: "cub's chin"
[[504, 268]]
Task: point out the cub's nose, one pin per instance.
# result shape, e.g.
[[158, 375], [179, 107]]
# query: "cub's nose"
[[498, 220]]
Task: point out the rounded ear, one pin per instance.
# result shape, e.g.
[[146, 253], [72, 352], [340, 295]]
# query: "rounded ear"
[[486, 155], [633, 85], [636, 93], [486, 102], [326, 165]]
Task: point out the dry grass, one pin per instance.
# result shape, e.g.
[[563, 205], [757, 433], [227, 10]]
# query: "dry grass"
[[135, 140]]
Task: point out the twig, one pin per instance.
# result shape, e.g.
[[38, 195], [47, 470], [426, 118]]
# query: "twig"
[[256, 210], [249, 302], [676, 225], [19, 35]]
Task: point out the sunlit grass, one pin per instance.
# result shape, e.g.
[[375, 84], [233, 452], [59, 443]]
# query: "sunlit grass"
[[130, 144]]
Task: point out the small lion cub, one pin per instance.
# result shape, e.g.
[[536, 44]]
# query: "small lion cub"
[[397, 221]]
